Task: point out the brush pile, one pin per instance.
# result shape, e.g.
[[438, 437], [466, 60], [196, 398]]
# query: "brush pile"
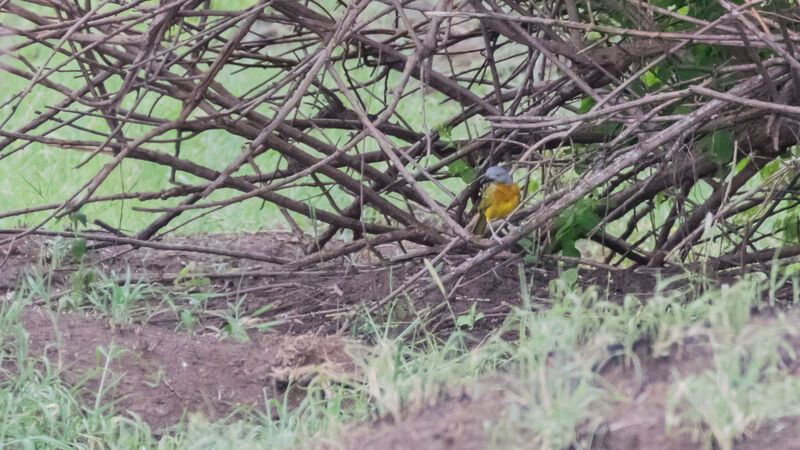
[[665, 132]]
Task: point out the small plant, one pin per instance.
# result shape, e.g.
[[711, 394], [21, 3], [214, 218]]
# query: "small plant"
[[81, 281], [469, 318], [188, 320], [119, 300], [186, 278], [78, 246], [237, 323], [564, 284], [190, 310]]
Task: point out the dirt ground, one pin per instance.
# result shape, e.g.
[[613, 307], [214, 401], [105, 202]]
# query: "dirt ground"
[[164, 373]]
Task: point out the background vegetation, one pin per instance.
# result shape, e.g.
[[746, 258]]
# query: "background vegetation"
[[643, 134], [664, 132]]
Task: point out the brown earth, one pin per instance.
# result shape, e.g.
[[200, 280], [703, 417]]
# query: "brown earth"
[[164, 373]]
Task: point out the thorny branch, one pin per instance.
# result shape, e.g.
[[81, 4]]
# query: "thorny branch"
[[386, 109]]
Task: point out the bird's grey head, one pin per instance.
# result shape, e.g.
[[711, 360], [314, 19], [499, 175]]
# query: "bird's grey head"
[[498, 175]]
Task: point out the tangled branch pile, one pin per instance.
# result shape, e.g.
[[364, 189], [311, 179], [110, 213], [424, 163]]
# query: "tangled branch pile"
[[664, 131]]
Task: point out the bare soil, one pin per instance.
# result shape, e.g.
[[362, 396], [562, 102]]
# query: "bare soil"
[[164, 373]]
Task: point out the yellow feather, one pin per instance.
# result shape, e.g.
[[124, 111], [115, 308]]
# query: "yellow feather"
[[497, 201]]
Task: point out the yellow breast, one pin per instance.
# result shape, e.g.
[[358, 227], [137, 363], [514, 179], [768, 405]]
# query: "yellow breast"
[[499, 200]]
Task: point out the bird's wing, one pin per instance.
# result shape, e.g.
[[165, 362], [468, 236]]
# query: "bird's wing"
[[487, 197]]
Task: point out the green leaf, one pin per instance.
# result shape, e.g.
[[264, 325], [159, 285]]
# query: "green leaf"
[[587, 103], [570, 276], [445, 132], [566, 232], [587, 219], [649, 79], [769, 169], [184, 273], [664, 71], [568, 249], [790, 228], [750, 213], [740, 165], [80, 281], [469, 318], [187, 319], [77, 217], [573, 224], [720, 145], [708, 11], [262, 310], [78, 249], [461, 169], [464, 321], [198, 282], [593, 36]]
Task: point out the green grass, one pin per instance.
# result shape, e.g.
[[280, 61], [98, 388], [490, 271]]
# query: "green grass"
[[40, 174], [750, 382], [543, 362], [37, 410], [546, 374]]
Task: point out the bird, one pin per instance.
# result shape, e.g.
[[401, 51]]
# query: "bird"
[[499, 197]]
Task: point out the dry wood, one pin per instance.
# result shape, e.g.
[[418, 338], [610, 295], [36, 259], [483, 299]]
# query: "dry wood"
[[340, 101]]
